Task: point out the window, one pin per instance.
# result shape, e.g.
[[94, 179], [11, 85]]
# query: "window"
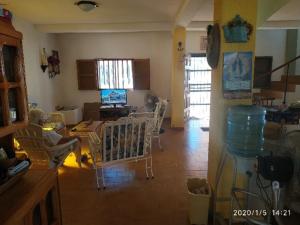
[[93, 74], [115, 73]]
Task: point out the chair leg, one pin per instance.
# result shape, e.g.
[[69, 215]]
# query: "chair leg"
[[103, 178], [160, 147], [146, 168], [152, 175], [97, 177]]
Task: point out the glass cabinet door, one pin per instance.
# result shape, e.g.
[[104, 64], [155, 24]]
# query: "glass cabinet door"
[[10, 62]]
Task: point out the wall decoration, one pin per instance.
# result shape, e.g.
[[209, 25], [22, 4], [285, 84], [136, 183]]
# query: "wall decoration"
[[203, 43], [237, 30], [6, 14], [213, 45], [53, 64], [237, 75], [44, 60]]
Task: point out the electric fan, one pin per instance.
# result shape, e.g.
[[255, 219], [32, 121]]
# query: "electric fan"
[[150, 102]]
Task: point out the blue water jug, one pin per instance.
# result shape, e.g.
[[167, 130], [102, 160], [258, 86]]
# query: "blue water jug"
[[245, 125]]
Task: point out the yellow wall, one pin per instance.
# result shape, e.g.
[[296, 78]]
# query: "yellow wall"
[[177, 115], [224, 11]]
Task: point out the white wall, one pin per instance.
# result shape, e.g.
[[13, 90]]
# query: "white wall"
[[193, 41], [272, 43], [154, 45], [40, 88]]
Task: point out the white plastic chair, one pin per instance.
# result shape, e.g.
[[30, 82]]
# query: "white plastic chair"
[[33, 142]]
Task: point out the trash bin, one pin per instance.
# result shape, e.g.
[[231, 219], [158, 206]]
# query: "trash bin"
[[199, 193]]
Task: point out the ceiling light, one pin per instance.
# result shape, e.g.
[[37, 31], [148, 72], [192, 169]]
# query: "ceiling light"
[[86, 5]]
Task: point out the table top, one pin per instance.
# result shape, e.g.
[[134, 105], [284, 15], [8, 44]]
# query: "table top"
[[15, 202], [86, 126]]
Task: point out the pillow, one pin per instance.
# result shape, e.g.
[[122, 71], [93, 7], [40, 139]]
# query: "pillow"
[[51, 137]]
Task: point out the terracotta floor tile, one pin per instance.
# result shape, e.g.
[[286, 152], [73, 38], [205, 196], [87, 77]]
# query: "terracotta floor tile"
[[130, 199]]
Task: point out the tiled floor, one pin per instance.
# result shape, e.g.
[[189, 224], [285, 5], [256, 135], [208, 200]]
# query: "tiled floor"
[[129, 197]]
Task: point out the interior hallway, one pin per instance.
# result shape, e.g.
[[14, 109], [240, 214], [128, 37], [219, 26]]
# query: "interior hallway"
[[131, 199]]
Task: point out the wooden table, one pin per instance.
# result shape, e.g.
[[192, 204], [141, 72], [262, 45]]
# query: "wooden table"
[[84, 128], [34, 199]]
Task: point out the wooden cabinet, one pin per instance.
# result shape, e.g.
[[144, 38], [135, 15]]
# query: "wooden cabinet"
[[13, 95], [34, 200]]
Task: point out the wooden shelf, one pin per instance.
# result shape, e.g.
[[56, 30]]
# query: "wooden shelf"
[[6, 130], [13, 96]]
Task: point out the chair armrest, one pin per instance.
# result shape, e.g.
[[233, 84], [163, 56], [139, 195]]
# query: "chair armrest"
[[62, 146]]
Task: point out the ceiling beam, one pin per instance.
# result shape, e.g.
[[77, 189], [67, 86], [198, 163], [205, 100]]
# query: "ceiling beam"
[[284, 24], [186, 12], [104, 28], [198, 25]]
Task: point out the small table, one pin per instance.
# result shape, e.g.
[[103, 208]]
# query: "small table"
[[84, 128]]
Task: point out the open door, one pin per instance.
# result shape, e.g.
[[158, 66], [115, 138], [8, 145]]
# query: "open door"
[[198, 88]]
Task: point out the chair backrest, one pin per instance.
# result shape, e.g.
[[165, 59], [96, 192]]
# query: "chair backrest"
[[32, 141], [159, 114], [123, 139], [56, 117]]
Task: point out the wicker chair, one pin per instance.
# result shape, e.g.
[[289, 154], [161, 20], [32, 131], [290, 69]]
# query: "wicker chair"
[[33, 142], [57, 121], [158, 117]]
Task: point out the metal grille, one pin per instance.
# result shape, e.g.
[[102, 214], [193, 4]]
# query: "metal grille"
[[199, 83], [115, 73]]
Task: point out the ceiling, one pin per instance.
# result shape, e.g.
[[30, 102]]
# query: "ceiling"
[[109, 11], [289, 12], [61, 16], [206, 11]]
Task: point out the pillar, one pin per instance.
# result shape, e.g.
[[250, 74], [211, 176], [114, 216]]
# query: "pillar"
[[178, 70], [224, 11]]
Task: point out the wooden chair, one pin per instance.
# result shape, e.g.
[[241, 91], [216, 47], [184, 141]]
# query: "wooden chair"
[[33, 142], [127, 139], [158, 117]]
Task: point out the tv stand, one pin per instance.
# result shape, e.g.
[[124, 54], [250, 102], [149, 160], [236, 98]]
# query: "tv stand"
[[114, 112]]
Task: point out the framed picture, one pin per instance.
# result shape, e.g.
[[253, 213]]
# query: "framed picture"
[[53, 64], [237, 74]]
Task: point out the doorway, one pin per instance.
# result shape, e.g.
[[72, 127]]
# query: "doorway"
[[198, 75]]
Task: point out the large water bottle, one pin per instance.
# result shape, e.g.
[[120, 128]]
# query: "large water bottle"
[[245, 125]]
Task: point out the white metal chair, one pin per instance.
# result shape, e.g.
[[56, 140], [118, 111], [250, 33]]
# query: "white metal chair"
[[33, 142], [158, 117], [127, 139]]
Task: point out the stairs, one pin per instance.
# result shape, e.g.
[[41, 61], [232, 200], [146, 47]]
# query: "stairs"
[[276, 91]]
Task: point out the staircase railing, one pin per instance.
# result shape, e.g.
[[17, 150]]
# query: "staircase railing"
[[287, 64]]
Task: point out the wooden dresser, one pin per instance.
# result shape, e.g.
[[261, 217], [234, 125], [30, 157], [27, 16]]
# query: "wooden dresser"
[[34, 200]]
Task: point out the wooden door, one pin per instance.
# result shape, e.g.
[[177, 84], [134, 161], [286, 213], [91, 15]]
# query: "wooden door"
[[262, 66]]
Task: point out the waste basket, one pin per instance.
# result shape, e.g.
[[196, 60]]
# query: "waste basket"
[[199, 193]]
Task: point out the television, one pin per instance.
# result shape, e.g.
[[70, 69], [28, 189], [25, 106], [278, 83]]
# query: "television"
[[113, 96]]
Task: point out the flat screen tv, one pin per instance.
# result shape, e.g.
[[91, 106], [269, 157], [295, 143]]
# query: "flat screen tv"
[[113, 96]]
